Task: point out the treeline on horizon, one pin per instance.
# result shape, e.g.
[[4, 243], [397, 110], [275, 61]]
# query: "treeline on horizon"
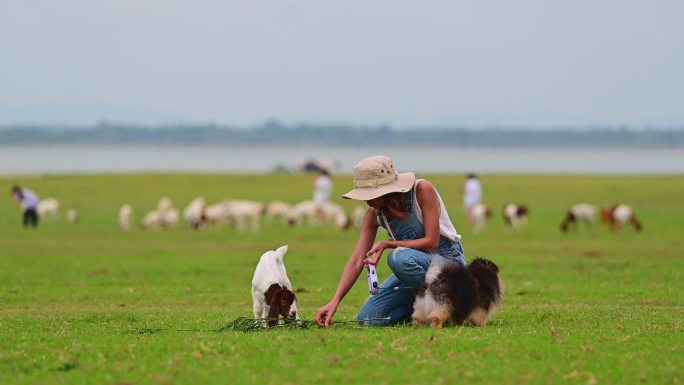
[[275, 134]]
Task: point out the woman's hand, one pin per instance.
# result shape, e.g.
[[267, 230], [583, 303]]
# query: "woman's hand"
[[374, 254], [325, 314]]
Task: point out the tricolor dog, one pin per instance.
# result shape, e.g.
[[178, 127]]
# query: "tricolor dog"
[[457, 294]]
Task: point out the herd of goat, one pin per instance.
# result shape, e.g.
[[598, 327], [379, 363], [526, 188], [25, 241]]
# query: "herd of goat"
[[515, 216], [242, 215], [246, 215]]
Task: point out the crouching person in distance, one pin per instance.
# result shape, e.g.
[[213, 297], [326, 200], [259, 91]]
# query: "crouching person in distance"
[[416, 219], [29, 205]]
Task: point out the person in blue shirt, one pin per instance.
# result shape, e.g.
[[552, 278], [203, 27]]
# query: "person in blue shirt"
[[29, 204]]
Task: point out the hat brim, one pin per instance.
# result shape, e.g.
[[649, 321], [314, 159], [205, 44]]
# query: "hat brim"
[[403, 183]]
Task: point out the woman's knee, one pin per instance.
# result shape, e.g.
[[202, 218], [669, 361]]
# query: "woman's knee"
[[409, 265], [371, 315], [366, 318], [363, 314], [401, 257]]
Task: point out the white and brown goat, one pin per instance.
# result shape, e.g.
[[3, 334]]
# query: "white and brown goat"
[[478, 215], [619, 215], [515, 215], [271, 289], [125, 217], [581, 212], [48, 207], [194, 214]]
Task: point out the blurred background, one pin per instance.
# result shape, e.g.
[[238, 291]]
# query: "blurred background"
[[261, 86]]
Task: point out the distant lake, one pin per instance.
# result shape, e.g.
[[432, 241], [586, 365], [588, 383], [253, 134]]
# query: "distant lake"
[[261, 159]]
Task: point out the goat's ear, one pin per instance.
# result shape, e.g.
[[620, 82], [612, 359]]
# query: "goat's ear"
[[271, 292], [274, 309]]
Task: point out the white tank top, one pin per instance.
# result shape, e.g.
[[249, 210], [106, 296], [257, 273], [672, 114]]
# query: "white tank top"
[[446, 228]]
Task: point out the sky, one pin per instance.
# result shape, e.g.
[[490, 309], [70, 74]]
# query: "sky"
[[524, 63]]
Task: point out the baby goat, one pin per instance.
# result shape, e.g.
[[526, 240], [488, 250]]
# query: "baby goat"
[[271, 289]]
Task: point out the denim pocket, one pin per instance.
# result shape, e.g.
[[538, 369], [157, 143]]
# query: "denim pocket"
[[448, 250]]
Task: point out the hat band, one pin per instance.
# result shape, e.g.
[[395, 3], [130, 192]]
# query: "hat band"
[[377, 182]]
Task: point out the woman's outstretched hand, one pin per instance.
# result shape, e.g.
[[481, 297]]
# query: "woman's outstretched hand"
[[325, 314], [374, 254]]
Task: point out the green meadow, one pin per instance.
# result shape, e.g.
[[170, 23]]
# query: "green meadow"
[[87, 304]]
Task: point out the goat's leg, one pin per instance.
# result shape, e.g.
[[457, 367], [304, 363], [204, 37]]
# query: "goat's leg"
[[258, 309]]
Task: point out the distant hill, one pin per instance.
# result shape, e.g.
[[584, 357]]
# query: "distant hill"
[[274, 134]]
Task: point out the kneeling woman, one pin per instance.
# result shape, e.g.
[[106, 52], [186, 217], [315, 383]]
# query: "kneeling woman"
[[419, 227]]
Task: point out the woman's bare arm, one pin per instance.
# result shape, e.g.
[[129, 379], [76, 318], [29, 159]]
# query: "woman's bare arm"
[[352, 269]]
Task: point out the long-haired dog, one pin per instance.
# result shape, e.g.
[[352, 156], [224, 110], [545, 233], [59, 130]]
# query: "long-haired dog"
[[271, 289], [454, 293]]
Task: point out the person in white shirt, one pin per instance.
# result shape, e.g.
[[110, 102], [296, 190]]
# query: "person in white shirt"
[[322, 189], [472, 195], [29, 202]]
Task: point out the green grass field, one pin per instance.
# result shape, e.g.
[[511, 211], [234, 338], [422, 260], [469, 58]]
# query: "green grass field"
[[88, 304]]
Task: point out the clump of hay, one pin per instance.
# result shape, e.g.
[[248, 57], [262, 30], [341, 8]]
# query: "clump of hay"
[[245, 324]]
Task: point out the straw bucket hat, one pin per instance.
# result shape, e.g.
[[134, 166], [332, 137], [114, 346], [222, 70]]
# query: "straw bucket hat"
[[375, 176]]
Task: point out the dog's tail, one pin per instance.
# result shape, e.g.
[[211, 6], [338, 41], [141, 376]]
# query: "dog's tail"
[[435, 268]]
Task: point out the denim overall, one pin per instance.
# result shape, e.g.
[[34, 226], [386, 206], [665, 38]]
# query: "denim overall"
[[395, 299]]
